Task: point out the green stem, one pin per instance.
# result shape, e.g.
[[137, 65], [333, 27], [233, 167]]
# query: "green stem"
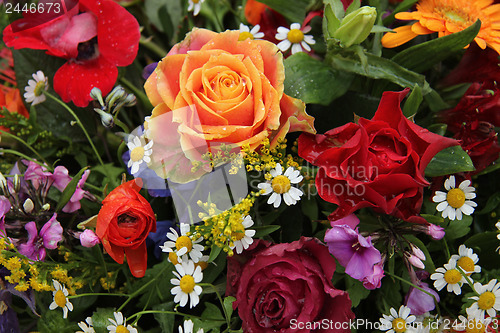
[[417, 287], [15, 137], [446, 248], [121, 124], [79, 124], [147, 43], [98, 294], [140, 313], [228, 319], [469, 280], [139, 94]]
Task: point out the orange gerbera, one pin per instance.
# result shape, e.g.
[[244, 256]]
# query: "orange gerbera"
[[446, 17]]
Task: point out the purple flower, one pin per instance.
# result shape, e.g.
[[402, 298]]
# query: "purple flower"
[[350, 220], [88, 238], [420, 302], [157, 187], [60, 177], [36, 173], [353, 251], [4, 206], [435, 231], [50, 235], [74, 203], [373, 281], [148, 70]]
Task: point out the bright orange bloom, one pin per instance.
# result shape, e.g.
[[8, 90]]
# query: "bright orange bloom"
[[446, 17]]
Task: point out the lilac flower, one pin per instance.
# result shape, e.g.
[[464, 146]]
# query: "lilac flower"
[[4, 206], [353, 251], [36, 173], [60, 178], [88, 238], [74, 203], [350, 220], [420, 302], [50, 235], [374, 280], [149, 69], [435, 231]]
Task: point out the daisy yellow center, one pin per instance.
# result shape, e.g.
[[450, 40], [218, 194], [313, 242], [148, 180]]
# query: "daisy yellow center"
[[399, 325], [121, 329], [40, 86], [474, 327], [467, 264], [452, 276], [187, 284], [295, 36], [195, 1], [202, 264], [281, 184], [245, 35], [184, 241], [60, 299], [486, 300], [455, 198], [137, 154], [173, 258], [238, 231]]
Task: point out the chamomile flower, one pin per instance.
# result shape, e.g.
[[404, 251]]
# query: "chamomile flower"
[[189, 327], [294, 37], [195, 6], [471, 324], [488, 301], [448, 275], [119, 324], [457, 200], [87, 326], [467, 259], [246, 32], [140, 151], [281, 184], [397, 322], [185, 285], [241, 236], [182, 244], [35, 89], [61, 299]]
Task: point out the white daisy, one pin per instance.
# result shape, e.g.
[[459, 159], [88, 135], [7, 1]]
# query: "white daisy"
[[471, 324], [467, 259], [34, 90], [295, 38], [86, 326], [282, 185], [241, 236], [140, 151], [449, 275], [457, 200], [189, 327], [61, 299], [397, 322], [119, 324], [196, 5], [182, 245], [487, 302], [246, 33], [186, 284]]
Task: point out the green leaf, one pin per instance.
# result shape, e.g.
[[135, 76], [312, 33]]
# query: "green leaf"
[[491, 204], [111, 173], [413, 102], [69, 190], [228, 305], [433, 219], [486, 244], [100, 319], [448, 161], [313, 81], [424, 55], [52, 319], [265, 230], [379, 68], [357, 292], [212, 312], [165, 15], [214, 253], [458, 228], [295, 12], [166, 320], [310, 208], [439, 129]]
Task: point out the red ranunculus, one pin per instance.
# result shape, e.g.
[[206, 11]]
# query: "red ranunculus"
[[376, 163], [287, 288], [95, 36], [123, 223]]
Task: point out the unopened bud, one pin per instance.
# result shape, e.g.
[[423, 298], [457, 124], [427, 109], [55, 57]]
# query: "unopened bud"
[[130, 100], [435, 231], [46, 207], [106, 119], [356, 26], [96, 95], [28, 206], [3, 184], [117, 93], [17, 183], [88, 238], [417, 252], [412, 259]]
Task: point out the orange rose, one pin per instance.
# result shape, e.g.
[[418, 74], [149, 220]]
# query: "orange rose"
[[212, 88], [10, 98]]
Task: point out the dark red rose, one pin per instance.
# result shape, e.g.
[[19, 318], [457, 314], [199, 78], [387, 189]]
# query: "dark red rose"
[[376, 163], [95, 36], [123, 224], [283, 287]]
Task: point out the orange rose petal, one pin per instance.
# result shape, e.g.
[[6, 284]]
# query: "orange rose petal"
[[151, 90], [194, 41], [168, 72], [274, 70], [271, 105], [293, 111], [400, 36]]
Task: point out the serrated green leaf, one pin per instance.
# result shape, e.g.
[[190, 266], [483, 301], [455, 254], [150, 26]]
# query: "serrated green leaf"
[[313, 81], [295, 12], [166, 320], [413, 102], [52, 319], [448, 161], [458, 228], [100, 320], [69, 190], [423, 56], [265, 230]]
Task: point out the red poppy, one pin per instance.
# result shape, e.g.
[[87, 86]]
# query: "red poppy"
[[123, 224], [95, 36]]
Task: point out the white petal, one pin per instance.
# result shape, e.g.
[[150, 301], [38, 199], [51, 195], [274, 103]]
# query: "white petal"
[[296, 48], [277, 202], [283, 31], [295, 26], [466, 209], [442, 206], [305, 46], [284, 45], [309, 39]]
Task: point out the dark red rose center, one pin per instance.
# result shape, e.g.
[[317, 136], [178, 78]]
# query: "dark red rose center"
[[127, 226]]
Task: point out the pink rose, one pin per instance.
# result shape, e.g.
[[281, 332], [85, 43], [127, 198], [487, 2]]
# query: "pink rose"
[[283, 287]]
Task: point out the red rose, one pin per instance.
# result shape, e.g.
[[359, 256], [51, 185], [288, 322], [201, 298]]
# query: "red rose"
[[95, 36], [123, 223], [376, 163], [285, 287]]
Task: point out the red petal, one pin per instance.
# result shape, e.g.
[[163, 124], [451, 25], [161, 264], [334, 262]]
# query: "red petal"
[[73, 82], [137, 260]]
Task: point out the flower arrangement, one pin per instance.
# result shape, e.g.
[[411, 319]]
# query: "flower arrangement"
[[249, 166]]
